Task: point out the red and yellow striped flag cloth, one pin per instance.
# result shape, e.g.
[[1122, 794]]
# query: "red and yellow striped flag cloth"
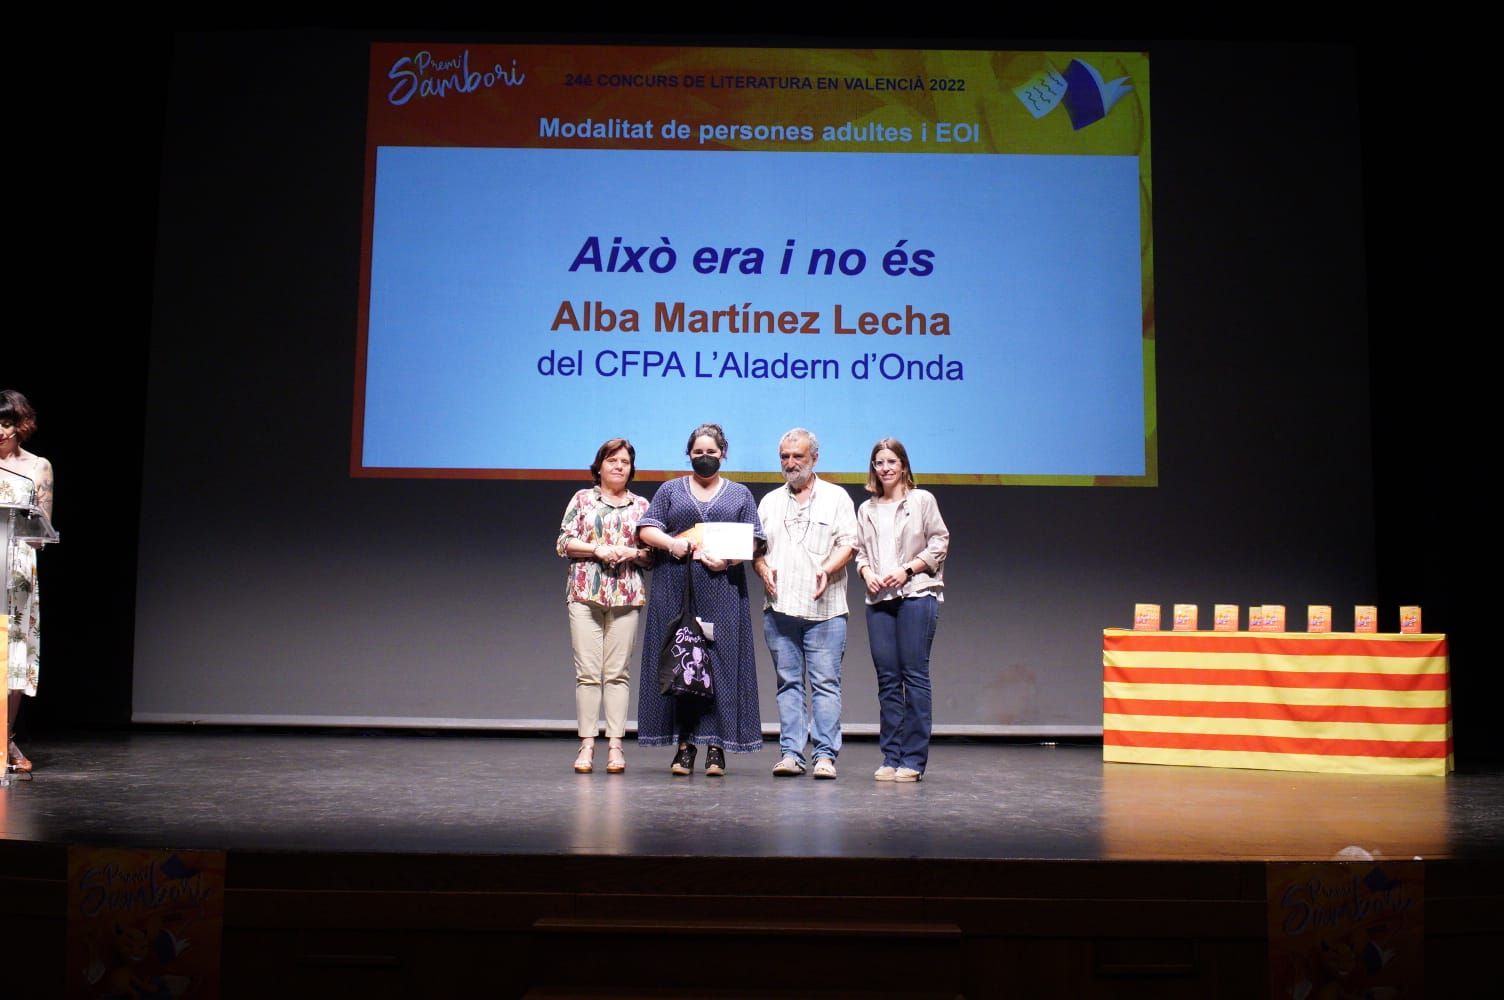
[[1283, 701]]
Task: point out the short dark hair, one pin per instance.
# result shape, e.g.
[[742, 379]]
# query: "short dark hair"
[[608, 449], [15, 408], [712, 431], [874, 486]]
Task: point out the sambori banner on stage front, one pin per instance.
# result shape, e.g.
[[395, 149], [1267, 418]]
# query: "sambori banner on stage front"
[[564, 244], [144, 922]]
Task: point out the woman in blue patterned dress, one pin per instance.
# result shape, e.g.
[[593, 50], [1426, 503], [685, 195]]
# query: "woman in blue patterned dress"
[[730, 721]]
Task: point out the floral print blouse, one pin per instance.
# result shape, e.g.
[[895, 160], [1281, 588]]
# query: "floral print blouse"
[[591, 518]]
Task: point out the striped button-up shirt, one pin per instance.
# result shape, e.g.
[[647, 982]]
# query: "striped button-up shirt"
[[800, 540]]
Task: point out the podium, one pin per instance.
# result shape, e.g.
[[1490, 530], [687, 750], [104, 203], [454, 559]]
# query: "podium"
[[20, 524]]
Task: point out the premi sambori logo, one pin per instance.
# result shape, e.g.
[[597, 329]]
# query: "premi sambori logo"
[[425, 75]]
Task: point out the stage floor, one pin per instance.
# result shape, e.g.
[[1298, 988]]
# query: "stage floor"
[[506, 795]]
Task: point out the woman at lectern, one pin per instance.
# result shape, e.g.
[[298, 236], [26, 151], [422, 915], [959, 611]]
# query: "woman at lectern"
[[24, 479], [901, 547], [605, 593], [731, 720]]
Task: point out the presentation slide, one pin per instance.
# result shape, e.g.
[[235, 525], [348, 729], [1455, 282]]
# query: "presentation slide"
[[565, 244]]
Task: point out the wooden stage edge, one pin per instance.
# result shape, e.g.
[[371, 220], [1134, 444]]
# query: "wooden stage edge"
[[518, 925]]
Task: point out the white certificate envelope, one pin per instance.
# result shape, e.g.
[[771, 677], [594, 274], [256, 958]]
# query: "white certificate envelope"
[[728, 540]]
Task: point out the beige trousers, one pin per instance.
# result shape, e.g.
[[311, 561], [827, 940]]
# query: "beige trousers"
[[602, 641]]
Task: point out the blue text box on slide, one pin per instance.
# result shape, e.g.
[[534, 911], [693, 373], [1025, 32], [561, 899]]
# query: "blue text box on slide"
[[486, 289]]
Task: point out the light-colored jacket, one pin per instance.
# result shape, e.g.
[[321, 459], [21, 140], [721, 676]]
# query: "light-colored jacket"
[[921, 534]]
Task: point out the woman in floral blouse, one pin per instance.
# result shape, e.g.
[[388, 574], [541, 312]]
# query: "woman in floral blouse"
[[605, 594]]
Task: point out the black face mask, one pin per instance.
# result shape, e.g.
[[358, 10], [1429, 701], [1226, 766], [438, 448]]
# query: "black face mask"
[[705, 465]]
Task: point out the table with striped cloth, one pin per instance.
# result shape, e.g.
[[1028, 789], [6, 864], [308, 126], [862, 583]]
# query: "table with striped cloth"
[[1286, 701]]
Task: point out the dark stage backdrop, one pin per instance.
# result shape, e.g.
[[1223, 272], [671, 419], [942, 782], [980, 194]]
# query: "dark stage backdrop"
[[272, 587]]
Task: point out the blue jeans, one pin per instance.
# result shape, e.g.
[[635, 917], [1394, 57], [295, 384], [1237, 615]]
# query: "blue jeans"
[[900, 633], [803, 648]]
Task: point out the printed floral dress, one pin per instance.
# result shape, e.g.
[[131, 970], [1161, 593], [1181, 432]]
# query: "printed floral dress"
[[25, 630]]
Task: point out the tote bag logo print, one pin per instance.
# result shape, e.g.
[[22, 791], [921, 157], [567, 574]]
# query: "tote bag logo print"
[[691, 661]]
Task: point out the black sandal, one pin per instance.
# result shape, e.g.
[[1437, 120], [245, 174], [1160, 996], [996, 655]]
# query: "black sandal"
[[684, 760], [715, 761]]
